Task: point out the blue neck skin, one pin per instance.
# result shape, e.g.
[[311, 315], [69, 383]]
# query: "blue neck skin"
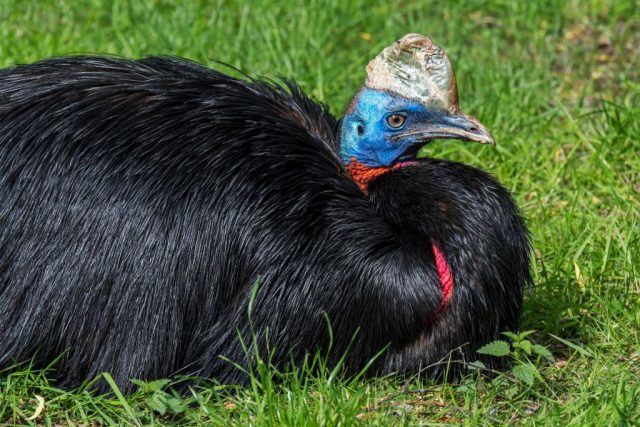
[[369, 139]]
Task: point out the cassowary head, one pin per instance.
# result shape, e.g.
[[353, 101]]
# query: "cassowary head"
[[409, 98]]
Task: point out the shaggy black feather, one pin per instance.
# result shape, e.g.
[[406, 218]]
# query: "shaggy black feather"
[[141, 201]]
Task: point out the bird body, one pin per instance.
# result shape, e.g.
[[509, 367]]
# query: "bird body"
[[157, 216]]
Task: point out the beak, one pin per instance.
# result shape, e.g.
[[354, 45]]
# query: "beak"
[[446, 126]]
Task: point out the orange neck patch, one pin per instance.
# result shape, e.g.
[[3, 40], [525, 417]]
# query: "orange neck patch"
[[363, 175]]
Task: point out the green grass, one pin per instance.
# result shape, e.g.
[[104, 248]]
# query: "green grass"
[[557, 82]]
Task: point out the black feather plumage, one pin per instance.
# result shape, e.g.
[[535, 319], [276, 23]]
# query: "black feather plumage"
[[141, 201]]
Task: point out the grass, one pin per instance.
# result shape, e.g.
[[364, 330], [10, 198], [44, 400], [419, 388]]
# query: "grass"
[[557, 82]]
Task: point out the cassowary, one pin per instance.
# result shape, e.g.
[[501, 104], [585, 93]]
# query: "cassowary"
[[156, 217]]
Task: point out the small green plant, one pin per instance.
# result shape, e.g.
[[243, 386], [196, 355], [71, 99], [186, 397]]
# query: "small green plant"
[[526, 356], [153, 394]]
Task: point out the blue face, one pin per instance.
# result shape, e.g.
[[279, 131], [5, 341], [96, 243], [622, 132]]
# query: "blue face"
[[377, 131]]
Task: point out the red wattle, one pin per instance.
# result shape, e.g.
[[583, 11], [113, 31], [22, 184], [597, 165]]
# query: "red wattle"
[[444, 273]]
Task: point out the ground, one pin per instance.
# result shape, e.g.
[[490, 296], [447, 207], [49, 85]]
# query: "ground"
[[557, 84]]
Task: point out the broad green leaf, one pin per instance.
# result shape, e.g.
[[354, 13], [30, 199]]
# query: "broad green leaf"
[[524, 345], [496, 348], [524, 373], [510, 335], [517, 337], [174, 405], [468, 385], [522, 335], [477, 365], [511, 391], [157, 403], [542, 351], [150, 386]]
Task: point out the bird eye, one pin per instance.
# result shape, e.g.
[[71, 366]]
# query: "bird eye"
[[360, 130], [396, 120]]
